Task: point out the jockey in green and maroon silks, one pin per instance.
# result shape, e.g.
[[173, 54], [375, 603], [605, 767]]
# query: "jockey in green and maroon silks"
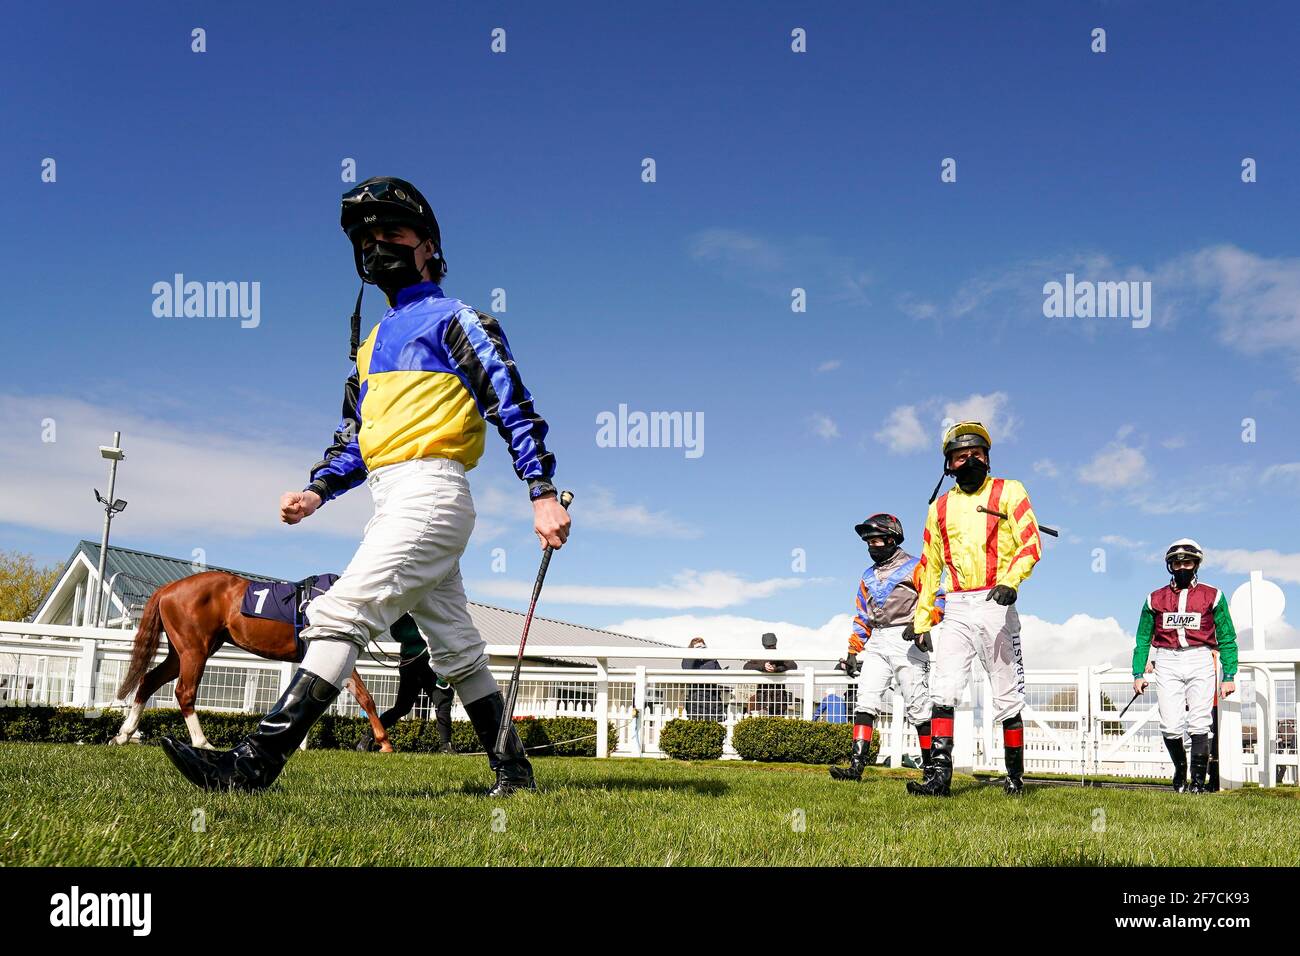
[[1182, 627]]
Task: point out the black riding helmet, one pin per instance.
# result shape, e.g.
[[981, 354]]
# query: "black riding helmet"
[[886, 526], [387, 200]]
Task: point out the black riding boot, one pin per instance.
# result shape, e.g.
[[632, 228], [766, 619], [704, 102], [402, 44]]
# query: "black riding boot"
[[861, 745], [923, 736], [938, 776], [1200, 761], [1178, 754], [1013, 742], [258, 759], [512, 768]]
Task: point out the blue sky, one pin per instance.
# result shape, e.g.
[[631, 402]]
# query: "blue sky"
[[775, 170]]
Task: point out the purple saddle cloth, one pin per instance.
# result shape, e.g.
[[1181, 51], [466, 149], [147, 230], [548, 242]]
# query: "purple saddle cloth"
[[285, 601]]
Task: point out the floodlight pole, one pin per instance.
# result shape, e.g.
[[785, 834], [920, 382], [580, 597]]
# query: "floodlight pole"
[[114, 455]]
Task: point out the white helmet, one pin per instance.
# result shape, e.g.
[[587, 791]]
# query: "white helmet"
[[1183, 548]]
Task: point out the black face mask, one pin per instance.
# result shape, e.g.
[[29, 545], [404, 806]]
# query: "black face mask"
[[883, 553], [391, 266], [970, 474], [1183, 578]]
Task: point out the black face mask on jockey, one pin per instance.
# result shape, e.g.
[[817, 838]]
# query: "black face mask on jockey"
[[391, 266], [883, 553], [970, 474], [1183, 578]]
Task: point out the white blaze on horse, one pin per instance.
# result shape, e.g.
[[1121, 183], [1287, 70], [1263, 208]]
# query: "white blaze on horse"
[[198, 614]]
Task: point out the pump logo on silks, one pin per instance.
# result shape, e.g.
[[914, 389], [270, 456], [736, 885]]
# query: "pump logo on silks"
[[1187, 619]]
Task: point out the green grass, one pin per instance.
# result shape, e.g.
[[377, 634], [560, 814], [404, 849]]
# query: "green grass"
[[102, 806]]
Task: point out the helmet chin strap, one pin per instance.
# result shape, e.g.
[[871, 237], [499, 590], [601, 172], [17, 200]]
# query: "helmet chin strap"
[[935, 494], [355, 319], [356, 324]]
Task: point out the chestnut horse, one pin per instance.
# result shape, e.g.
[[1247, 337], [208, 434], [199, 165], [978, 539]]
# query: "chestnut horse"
[[199, 614]]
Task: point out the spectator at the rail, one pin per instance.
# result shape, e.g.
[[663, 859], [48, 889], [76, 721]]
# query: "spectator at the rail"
[[703, 701], [832, 710], [772, 699], [770, 667]]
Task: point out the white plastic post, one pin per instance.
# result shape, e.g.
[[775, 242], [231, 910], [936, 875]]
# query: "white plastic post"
[[638, 706], [896, 729], [1232, 770], [602, 707], [1265, 728], [964, 731], [83, 687], [1256, 628], [809, 689], [252, 678]]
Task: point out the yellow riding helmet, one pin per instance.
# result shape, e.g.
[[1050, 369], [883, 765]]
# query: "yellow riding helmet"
[[965, 435]]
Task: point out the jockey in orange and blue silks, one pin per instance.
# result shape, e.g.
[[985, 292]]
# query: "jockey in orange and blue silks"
[[882, 628]]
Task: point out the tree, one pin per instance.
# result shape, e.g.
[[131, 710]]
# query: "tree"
[[23, 585]]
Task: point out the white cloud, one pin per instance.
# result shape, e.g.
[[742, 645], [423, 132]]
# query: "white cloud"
[[903, 431], [689, 588], [823, 426], [829, 366], [1046, 467], [1081, 641], [601, 512], [991, 410], [1255, 298], [775, 268], [176, 477], [1276, 565], [735, 248], [1279, 636], [1178, 441], [209, 481], [1120, 541], [1288, 473], [1116, 466]]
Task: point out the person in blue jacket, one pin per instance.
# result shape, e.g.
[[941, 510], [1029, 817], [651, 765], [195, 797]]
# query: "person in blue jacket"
[[428, 381]]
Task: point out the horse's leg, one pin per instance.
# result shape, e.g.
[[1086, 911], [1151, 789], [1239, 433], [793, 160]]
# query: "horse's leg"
[[187, 690], [358, 690], [149, 684]]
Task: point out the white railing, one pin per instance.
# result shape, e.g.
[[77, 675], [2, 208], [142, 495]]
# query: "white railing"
[[1071, 716]]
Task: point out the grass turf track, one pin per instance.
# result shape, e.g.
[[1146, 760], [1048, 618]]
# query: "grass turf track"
[[96, 805]]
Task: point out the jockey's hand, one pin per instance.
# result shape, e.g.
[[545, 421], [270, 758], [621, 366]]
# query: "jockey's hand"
[[1140, 685], [550, 522], [923, 641], [852, 666], [296, 505], [1226, 688], [1001, 594]]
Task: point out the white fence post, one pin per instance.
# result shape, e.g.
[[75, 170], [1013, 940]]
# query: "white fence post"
[[1232, 770], [83, 687], [897, 726], [602, 707], [638, 711], [809, 690], [964, 731]]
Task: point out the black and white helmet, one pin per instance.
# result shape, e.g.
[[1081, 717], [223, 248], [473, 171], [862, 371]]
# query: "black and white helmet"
[[1183, 548]]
